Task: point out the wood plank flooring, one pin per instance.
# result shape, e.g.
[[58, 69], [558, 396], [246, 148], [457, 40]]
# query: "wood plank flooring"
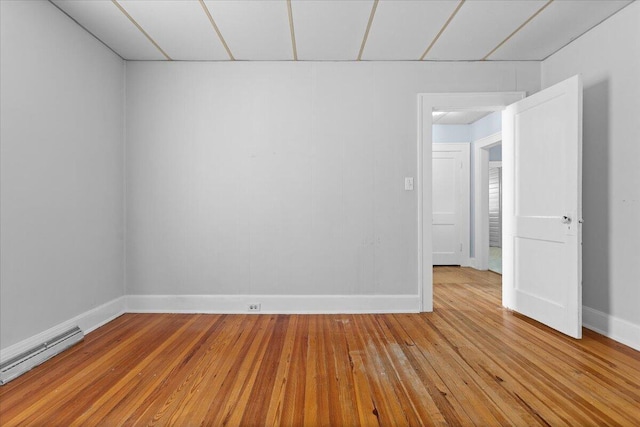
[[470, 362]]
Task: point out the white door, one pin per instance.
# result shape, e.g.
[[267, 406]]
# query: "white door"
[[542, 206], [450, 203]]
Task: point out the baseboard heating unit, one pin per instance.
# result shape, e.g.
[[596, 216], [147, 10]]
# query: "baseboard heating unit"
[[28, 360]]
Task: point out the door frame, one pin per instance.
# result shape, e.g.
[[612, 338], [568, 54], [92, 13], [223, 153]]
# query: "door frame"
[[464, 214], [481, 203], [486, 101]]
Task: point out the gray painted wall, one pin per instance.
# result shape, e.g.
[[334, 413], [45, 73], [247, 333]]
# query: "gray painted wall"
[[261, 177], [61, 171], [608, 59], [495, 153], [281, 178], [302, 219]]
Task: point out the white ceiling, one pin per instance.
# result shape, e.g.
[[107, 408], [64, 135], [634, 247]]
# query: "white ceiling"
[[338, 30], [458, 117]]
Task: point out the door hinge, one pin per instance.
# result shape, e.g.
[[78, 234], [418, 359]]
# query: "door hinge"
[[460, 247]]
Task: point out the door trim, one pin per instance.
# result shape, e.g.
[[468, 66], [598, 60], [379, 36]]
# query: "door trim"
[[486, 101]]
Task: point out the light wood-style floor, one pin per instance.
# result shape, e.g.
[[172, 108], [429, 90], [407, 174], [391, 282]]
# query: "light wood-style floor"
[[470, 362]]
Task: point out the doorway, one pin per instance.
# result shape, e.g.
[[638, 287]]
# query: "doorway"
[[495, 209], [483, 150], [479, 128], [541, 203], [427, 104]]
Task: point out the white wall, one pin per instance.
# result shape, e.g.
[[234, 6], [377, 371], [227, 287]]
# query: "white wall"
[[488, 125], [61, 205], [608, 57], [281, 178], [451, 133]]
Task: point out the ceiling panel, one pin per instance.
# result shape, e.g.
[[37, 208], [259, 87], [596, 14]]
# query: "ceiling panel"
[[555, 27], [480, 26], [330, 30], [256, 30], [105, 21], [402, 30], [334, 29], [458, 117], [181, 28]]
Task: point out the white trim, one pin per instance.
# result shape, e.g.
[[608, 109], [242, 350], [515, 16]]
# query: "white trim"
[[487, 101], [473, 263], [87, 321], [419, 184], [615, 328], [273, 304], [612, 327], [481, 197], [465, 195]]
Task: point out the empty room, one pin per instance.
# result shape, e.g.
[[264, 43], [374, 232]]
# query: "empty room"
[[319, 212]]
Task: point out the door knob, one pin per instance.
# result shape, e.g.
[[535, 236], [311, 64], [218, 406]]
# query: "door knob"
[[566, 219]]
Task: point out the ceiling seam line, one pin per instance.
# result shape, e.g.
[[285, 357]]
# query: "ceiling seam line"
[[444, 27], [292, 31], [531, 18], [134, 22], [584, 32], [87, 30], [366, 33], [217, 30]]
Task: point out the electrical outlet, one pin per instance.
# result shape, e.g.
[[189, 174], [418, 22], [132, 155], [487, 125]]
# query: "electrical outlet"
[[253, 307], [408, 183]]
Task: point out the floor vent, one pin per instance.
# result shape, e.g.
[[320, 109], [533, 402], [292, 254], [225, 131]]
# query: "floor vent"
[[28, 360]]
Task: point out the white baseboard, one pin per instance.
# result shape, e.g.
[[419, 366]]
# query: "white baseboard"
[[273, 304], [617, 329], [87, 321], [612, 327]]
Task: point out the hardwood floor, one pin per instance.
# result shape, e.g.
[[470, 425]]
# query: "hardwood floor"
[[470, 362]]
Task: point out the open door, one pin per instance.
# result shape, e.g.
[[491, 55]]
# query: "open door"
[[542, 207]]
